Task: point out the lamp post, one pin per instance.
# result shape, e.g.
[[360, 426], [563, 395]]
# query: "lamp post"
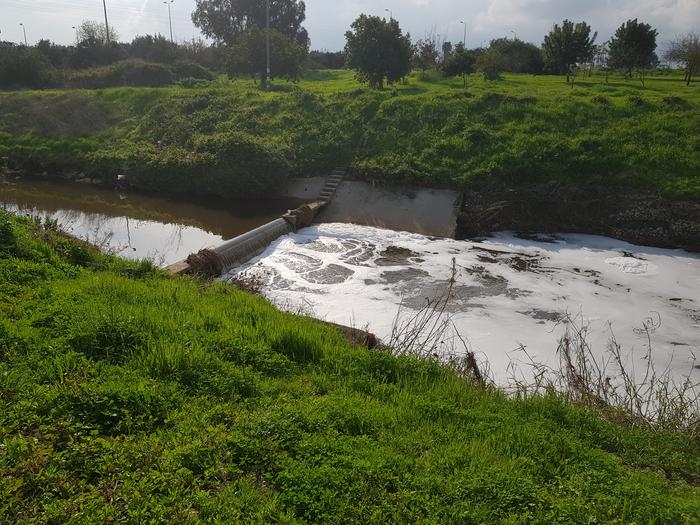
[[268, 77], [391, 13], [170, 18], [77, 38], [104, 5], [464, 39], [515, 36], [24, 30]]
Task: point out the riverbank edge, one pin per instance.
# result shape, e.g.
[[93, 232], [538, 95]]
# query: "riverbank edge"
[[623, 212], [627, 213]]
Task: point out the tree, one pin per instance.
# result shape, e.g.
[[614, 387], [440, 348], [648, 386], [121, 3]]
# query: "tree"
[[241, 24], [227, 21], [91, 33], [377, 50], [447, 50], [248, 55], [633, 47], [154, 49], [568, 45], [460, 62], [490, 64], [518, 56], [685, 50], [425, 55]]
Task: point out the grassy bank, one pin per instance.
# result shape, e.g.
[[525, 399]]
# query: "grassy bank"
[[127, 395], [230, 138]]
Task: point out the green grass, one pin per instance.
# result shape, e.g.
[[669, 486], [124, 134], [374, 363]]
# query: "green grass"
[[126, 395], [435, 133]]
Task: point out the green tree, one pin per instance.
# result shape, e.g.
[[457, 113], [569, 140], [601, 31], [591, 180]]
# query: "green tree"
[[425, 54], [91, 33], [460, 62], [377, 50], [248, 55], [568, 45], [633, 47], [491, 64], [241, 24], [685, 50], [226, 21], [519, 56]]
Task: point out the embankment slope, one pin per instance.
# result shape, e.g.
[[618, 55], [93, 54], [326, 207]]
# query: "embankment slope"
[[126, 395]]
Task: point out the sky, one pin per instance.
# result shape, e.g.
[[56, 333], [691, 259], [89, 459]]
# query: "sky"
[[327, 20]]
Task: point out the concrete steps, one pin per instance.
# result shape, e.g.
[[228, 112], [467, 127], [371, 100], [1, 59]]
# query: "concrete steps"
[[334, 180]]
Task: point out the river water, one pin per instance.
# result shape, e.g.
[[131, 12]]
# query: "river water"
[[139, 226], [510, 297]]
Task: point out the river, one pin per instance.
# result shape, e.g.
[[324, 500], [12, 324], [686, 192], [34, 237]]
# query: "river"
[[510, 297], [139, 226]]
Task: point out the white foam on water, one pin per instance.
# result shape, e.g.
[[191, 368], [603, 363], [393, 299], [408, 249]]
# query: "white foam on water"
[[510, 293]]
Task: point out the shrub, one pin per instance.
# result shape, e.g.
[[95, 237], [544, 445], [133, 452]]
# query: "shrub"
[[7, 235], [491, 64], [136, 73], [188, 69], [22, 67]]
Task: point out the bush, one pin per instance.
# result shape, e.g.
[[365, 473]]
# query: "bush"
[[22, 67], [491, 64], [135, 73], [188, 69]]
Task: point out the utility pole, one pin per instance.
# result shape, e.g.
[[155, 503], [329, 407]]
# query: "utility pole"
[[170, 18], [268, 78], [24, 30], [104, 4]]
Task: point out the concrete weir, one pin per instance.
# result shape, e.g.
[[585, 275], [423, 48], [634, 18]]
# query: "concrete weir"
[[333, 199], [239, 250]]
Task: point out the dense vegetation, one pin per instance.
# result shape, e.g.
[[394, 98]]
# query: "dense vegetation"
[[128, 395], [232, 138]]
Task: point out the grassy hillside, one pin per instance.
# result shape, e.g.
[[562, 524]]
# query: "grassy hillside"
[[231, 138], [129, 396]]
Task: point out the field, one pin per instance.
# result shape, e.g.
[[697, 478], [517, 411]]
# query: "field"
[[230, 138], [128, 395]]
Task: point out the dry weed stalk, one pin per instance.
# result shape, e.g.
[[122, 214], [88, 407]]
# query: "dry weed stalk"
[[431, 334], [610, 384]]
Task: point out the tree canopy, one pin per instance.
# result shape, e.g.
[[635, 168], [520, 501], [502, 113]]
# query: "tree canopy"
[[241, 24], [685, 50], [633, 46], [459, 62], [378, 50], [518, 56], [568, 45], [227, 21]]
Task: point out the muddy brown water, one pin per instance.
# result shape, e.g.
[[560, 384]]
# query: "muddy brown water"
[[139, 226]]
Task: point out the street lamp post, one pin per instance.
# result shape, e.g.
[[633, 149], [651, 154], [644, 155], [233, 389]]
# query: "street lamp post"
[[515, 36], [77, 38], [391, 13], [104, 5], [24, 30], [170, 18], [268, 77], [464, 39]]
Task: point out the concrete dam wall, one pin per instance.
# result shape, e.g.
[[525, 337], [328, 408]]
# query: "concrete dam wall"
[[416, 210]]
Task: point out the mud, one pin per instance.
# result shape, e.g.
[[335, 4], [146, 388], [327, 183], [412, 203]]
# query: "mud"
[[635, 216]]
